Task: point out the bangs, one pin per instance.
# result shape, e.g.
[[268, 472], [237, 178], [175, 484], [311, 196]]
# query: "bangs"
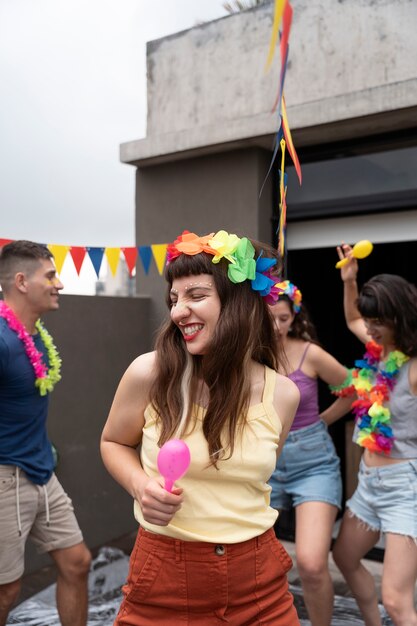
[[189, 265], [368, 307]]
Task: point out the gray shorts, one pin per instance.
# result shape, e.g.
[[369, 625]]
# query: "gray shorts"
[[42, 512]]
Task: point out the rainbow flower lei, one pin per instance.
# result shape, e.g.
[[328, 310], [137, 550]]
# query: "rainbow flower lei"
[[238, 251], [46, 378], [373, 382]]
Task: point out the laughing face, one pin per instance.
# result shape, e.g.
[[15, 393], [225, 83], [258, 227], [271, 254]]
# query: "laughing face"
[[43, 287], [195, 310]]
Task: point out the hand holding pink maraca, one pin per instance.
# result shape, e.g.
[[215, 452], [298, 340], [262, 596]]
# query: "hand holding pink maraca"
[[173, 461], [159, 499]]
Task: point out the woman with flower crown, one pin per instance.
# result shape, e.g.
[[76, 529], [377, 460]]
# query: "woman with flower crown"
[[384, 317], [307, 475], [206, 553]]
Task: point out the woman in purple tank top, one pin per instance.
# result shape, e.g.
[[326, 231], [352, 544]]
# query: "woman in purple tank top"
[[307, 475]]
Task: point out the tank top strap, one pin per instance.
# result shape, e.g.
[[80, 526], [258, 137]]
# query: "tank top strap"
[[269, 387], [304, 356]]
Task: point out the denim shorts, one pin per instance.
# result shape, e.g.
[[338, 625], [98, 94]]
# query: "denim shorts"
[[308, 469], [386, 498]]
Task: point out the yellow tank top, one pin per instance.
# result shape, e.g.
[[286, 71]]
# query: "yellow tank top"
[[229, 504]]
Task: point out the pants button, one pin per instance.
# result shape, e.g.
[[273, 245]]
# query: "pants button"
[[219, 550]]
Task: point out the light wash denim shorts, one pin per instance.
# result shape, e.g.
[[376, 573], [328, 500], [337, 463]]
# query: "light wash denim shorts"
[[386, 498], [308, 469]]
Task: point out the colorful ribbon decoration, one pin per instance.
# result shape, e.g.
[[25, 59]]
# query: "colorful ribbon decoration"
[[282, 11]]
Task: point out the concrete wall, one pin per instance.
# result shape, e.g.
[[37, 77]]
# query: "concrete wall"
[[97, 339], [349, 61], [201, 195]]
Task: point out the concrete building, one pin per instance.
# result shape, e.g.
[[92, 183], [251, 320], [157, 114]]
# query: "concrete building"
[[351, 93]]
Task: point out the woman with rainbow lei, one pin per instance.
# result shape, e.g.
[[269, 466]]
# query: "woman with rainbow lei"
[[307, 475], [206, 552], [384, 317]]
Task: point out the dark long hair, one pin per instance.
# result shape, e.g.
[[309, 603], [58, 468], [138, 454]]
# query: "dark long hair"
[[244, 332], [302, 327], [392, 300]]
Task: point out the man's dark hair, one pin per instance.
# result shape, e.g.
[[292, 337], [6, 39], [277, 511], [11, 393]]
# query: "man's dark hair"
[[20, 256]]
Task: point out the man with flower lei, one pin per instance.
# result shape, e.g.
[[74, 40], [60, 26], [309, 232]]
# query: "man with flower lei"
[[383, 315], [32, 501]]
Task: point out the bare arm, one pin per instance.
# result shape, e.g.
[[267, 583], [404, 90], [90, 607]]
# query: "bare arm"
[[348, 274], [337, 409], [325, 366], [121, 436]]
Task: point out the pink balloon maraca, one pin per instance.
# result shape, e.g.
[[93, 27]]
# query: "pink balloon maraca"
[[173, 461]]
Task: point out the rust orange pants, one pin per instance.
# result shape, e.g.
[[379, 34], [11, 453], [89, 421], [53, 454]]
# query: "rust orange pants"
[[206, 584]]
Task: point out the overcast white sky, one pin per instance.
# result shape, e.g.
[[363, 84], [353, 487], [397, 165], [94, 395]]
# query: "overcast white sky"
[[73, 87]]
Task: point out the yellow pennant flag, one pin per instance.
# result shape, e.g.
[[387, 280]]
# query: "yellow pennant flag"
[[159, 251], [113, 258], [278, 12], [60, 254]]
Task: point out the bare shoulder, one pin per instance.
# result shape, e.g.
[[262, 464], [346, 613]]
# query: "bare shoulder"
[[142, 370], [316, 354], [286, 398]]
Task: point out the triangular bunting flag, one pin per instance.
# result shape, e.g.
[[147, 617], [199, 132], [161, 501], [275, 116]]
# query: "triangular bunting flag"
[[113, 258], [145, 254], [96, 256], [78, 254], [159, 251], [130, 255], [3, 242], [60, 254]]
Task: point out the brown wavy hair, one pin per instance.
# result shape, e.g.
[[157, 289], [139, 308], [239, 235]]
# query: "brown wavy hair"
[[392, 300], [302, 327], [244, 332]]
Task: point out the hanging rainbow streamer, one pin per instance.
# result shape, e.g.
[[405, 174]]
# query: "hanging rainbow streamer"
[[278, 13], [283, 203], [282, 12]]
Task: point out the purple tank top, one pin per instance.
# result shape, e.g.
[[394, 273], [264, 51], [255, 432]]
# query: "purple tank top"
[[308, 409]]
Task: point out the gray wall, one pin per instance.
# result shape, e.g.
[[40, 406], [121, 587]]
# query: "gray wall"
[[201, 195], [350, 62], [97, 338]]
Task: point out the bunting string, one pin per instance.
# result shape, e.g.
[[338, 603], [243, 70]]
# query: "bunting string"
[[130, 255]]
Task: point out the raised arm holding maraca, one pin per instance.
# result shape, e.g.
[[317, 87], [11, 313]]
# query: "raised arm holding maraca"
[[383, 315]]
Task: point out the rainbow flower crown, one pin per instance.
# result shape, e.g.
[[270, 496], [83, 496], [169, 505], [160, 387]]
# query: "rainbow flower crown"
[[287, 288], [241, 256]]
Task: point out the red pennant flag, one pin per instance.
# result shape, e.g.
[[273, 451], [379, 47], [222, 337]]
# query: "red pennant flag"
[[78, 253], [3, 242], [130, 255]]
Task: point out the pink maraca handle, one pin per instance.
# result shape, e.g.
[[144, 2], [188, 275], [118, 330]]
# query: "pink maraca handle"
[[168, 484]]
